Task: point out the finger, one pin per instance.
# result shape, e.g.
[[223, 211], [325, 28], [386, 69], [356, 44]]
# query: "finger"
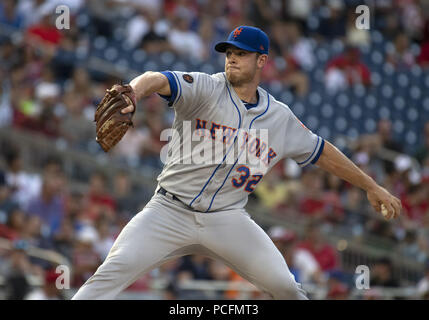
[[390, 210], [128, 109], [374, 204], [396, 204], [398, 207], [399, 204]]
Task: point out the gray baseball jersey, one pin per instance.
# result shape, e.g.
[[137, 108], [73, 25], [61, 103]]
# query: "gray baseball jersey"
[[264, 134], [219, 151]]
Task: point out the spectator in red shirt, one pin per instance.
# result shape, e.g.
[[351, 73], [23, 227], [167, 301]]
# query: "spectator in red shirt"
[[14, 225], [334, 210], [100, 201], [323, 252], [44, 35], [45, 31], [423, 58], [311, 203], [415, 202], [316, 202], [346, 70], [49, 290]]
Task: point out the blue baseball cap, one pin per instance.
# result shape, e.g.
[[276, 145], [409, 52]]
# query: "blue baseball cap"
[[247, 38]]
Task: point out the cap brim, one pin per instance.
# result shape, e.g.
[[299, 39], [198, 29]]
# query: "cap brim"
[[221, 46]]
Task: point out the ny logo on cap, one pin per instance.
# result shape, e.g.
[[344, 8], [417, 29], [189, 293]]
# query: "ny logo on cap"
[[237, 32]]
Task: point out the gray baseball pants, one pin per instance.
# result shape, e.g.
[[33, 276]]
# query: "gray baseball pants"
[[166, 229]]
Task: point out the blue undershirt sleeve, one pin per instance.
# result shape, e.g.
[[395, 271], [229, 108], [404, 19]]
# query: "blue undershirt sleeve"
[[173, 88]]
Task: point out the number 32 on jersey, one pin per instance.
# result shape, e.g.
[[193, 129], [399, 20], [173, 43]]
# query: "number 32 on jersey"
[[246, 179]]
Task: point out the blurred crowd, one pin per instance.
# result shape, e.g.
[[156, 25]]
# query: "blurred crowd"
[[44, 92]]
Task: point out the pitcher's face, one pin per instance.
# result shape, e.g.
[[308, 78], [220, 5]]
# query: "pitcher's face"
[[240, 65]]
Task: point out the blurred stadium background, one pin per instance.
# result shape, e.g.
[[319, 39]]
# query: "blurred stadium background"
[[63, 200]]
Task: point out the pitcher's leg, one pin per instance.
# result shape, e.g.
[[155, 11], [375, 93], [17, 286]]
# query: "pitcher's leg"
[[245, 247], [146, 242]]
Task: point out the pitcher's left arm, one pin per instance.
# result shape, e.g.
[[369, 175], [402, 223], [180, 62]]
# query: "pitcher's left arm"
[[335, 162]]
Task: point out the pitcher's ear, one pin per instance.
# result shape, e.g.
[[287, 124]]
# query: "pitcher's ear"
[[262, 59]]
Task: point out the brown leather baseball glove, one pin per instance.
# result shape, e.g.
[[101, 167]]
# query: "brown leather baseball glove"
[[111, 124]]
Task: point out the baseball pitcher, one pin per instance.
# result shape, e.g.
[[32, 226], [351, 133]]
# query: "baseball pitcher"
[[227, 133]]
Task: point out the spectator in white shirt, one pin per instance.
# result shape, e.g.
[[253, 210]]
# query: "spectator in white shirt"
[[301, 263], [185, 41]]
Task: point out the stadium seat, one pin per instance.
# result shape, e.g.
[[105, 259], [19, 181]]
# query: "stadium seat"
[[398, 126], [123, 64], [82, 20], [275, 88], [387, 91], [411, 137], [343, 100], [318, 75], [119, 35], [384, 112], [313, 22], [399, 103], [327, 111], [298, 109], [376, 78], [340, 124], [359, 91], [337, 47], [416, 70], [352, 133], [151, 65], [355, 112], [315, 98], [388, 69], [280, 63], [312, 122], [415, 49], [111, 54], [370, 125], [324, 132], [179, 66], [377, 57], [127, 47], [100, 43], [389, 48], [402, 79], [167, 58], [426, 104], [376, 37], [415, 93], [207, 68], [322, 55], [370, 101], [427, 81], [81, 54], [287, 97], [412, 114], [139, 56]]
